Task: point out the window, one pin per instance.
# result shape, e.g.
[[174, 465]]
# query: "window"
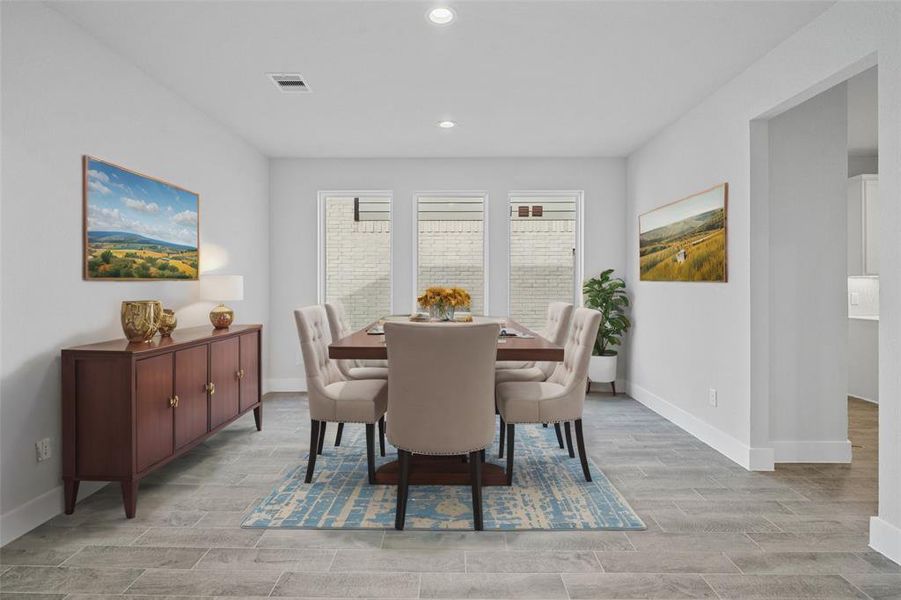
[[544, 255], [450, 246], [355, 260]]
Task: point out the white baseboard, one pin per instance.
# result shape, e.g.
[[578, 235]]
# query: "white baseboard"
[[761, 459], [37, 511], [812, 452], [885, 538], [720, 441], [870, 400], [296, 384]]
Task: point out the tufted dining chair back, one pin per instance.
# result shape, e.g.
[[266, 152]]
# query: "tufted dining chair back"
[[441, 386], [573, 371], [555, 330], [339, 328], [313, 331]]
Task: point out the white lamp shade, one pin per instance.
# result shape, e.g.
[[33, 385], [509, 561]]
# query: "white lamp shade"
[[222, 288]]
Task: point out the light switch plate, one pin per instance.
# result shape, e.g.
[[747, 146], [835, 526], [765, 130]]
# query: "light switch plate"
[[711, 396], [854, 298]]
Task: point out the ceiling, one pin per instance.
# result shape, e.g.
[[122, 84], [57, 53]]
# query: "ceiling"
[[863, 123], [521, 78]]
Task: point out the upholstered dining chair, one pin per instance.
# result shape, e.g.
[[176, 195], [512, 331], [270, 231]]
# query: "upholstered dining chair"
[[441, 398], [332, 397], [556, 325], [354, 369], [555, 331], [560, 398]]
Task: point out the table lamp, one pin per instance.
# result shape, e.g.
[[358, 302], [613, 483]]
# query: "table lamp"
[[222, 288]]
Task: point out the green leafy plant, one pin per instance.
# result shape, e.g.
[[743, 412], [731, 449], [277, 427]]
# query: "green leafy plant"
[[607, 295]]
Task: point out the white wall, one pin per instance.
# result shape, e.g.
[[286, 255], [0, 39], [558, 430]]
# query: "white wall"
[[807, 232], [65, 95], [294, 184], [863, 359], [711, 338]]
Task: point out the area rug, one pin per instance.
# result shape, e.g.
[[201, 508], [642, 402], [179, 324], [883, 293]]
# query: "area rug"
[[548, 492]]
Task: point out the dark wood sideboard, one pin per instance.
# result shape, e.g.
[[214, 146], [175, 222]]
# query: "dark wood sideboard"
[[130, 408]]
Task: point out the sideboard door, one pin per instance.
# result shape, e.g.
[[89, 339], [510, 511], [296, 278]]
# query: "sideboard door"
[[250, 370], [192, 412], [154, 421], [224, 366]]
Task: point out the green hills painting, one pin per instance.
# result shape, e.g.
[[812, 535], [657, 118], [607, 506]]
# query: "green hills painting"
[[137, 227], [685, 240]]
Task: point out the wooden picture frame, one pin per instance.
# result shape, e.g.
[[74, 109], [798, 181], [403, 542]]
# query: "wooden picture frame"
[[136, 227], [686, 240]]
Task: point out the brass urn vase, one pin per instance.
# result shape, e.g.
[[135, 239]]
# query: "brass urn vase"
[[141, 319], [168, 322]]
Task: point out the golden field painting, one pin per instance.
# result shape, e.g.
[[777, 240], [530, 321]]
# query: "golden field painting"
[[137, 227], [685, 240]]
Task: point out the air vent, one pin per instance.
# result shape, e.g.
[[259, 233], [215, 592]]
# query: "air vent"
[[289, 83]]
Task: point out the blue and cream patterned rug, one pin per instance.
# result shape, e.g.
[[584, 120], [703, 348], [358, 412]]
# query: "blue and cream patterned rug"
[[548, 492]]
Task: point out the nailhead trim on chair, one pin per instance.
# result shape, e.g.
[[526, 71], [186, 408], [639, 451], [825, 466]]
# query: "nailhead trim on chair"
[[442, 453]]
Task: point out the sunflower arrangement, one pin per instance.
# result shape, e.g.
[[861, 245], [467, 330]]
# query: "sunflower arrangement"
[[455, 297], [443, 301]]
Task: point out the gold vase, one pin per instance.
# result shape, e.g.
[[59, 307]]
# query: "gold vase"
[[168, 321], [222, 316], [141, 319]]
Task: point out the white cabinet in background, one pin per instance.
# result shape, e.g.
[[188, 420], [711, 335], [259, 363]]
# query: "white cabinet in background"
[[863, 225]]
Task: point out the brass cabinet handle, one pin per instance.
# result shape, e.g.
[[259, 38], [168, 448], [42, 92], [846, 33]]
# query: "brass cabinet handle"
[[176, 400], [239, 373], [211, 388], [173, 402]]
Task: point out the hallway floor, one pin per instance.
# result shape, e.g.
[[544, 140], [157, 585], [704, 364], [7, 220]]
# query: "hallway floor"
[[714, 529]]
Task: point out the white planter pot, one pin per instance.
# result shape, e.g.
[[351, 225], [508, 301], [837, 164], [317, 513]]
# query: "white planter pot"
[[602, 369]]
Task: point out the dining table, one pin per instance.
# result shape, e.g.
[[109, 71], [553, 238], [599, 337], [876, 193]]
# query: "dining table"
[[520, 344]]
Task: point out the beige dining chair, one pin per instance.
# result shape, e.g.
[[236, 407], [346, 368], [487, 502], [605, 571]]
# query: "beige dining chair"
[[556, 325], [441, 397], [555, 331], [334, 398], [354, 369], [561, 398]]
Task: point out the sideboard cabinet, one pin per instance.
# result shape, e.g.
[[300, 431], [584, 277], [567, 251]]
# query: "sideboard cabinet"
[[130, 408]]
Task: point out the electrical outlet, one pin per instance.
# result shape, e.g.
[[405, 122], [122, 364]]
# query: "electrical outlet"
[[711, 396], [42, 449]]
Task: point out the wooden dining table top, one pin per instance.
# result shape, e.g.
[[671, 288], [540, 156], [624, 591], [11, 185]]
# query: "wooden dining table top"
[[363, 345]]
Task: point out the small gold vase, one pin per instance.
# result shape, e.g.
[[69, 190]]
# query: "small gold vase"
[[141, 319], [222, 316], [168, 322]]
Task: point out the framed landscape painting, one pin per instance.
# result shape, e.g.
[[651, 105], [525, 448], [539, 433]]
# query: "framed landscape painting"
[[685, 240], [137, 227]]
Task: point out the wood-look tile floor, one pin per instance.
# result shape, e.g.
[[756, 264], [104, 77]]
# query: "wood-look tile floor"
[[714, 529]]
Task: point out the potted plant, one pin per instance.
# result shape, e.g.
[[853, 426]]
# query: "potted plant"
[[607, 295]]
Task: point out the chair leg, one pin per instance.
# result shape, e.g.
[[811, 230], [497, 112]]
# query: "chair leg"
[[559, 435], [613, 385], [403, 483], [482, 455], [370, 451], [569, 440], [322, 425], [338, 434], [382, 435], [580, 442], [511, 429], [475, 477], [544, 425], [314, 447], [500, 448], [587, 385]]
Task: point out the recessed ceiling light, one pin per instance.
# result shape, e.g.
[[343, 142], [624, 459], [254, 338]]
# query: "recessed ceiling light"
[[441, 15], [446, 124]]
